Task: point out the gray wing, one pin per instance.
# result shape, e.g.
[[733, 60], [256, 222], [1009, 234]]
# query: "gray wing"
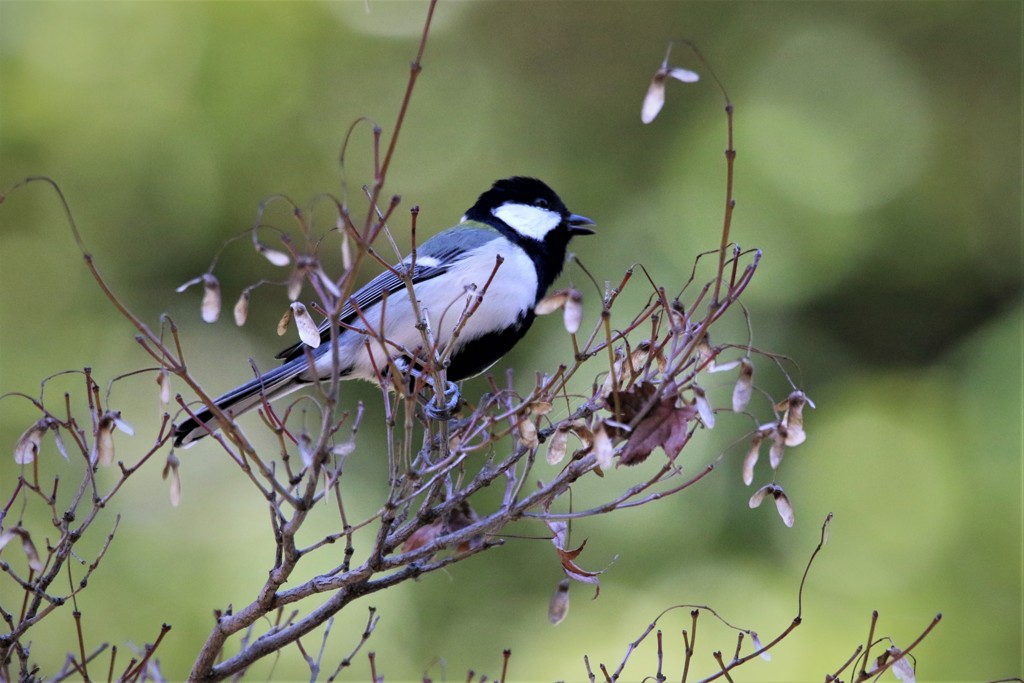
[[433, 257]]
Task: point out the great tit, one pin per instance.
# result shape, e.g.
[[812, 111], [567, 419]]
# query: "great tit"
[[520, 219]]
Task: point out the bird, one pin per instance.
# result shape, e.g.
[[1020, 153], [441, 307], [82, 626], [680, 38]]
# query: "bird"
[[511, 245]]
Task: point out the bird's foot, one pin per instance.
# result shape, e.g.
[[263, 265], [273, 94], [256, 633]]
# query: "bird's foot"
[[451, 400]]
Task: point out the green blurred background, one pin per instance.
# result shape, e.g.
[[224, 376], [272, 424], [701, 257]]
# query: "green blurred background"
[[879, 168]]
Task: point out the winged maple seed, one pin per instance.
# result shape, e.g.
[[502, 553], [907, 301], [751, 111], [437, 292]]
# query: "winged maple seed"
[[211, 295], [658, 418]]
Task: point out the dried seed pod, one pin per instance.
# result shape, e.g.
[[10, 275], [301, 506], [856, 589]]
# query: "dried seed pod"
[[704, 410], [552, 302], [103, 453], [163, 380], [308, 331], [558, 608], [778, 448], [902, 669], [784, 507], [171, 472], [277, 258], [27, 546], [572, 311], [540, 407], [794, 419], [766, 655], [603, 447], [282, 324], [346, 248], [211, 298], [751, 459], [295, 282], [343, 449], [242, 308], [744, 387], [27, 447], [654, 100], [558, 444], [210, 307], [327, 281], [528, 433], [782, 503]]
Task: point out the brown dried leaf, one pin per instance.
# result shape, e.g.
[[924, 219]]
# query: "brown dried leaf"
[[573, 570], [458, 519], [664, 424], [423, 536]]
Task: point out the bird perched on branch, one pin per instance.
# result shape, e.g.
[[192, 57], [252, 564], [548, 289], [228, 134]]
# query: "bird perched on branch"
[[509, 246]]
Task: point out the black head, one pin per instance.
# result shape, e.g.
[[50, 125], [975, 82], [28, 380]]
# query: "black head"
[[530, 210]]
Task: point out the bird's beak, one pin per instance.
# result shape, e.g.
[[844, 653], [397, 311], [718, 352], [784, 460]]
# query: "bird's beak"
[[580, 225]]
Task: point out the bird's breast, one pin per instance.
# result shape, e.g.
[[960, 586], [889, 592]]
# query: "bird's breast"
[[506, 291]]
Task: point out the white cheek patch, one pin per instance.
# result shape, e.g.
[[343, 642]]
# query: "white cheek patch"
[[529, 221]]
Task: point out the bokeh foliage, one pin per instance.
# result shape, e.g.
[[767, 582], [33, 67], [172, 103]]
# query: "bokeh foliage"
[[879, 168]]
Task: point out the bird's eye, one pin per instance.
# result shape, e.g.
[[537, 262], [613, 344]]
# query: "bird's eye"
[[540, 202]]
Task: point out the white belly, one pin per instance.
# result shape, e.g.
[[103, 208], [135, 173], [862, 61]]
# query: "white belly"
[[512, 291]]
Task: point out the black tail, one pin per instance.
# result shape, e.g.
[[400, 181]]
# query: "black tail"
[[274, 384]]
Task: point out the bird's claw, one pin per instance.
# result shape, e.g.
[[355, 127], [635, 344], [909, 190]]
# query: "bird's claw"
[[450, 407]]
